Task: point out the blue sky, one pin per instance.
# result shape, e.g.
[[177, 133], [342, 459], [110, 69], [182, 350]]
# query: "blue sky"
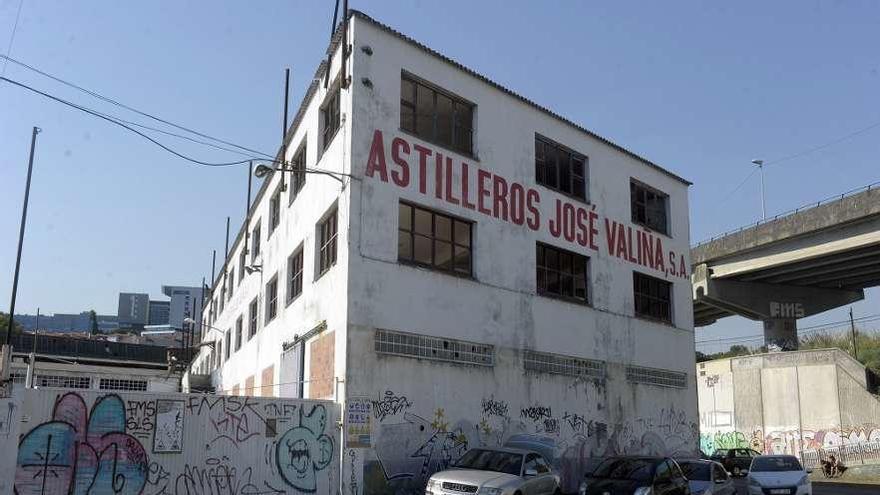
[[699, 87]]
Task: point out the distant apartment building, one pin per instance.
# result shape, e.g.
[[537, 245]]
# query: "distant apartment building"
[[134, 310], [159, 312], [65, 322], [186, 302]]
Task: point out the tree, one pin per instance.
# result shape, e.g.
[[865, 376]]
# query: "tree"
[[93, 322], [4, 323]]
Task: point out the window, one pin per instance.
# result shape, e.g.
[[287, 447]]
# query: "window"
[[220, 352], [648, 207], [652, 297], [330, 117], [327, 239], [239, 323], [252, 318], [560, 168], [62, 381], [255, 242], [275, 210], [719, 472], [657, 377], [231, 284], [297, 179], [433, 348], [222, 298], [122, 384], [228, 343], [242, 262], [545, 362], [294, 274], [434, 240], [561, 273], [272, 299], [436, 115]]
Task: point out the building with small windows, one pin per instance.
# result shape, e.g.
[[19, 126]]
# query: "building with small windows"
[[458, 266]]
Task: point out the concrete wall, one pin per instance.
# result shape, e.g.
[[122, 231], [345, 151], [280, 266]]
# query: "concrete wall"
[[789, 402], [157, 380], [427, 413], [89, 442]]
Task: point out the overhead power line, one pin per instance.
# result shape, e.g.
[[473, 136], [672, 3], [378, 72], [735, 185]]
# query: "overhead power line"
[[123, 125], [11, 38], [129, 108], [801, 331]]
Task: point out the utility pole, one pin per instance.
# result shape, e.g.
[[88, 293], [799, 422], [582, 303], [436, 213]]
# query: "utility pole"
[[852, 326], [32, 358], [27, 192]]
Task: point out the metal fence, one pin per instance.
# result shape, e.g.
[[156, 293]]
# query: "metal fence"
[[850, 454], [85, 348]]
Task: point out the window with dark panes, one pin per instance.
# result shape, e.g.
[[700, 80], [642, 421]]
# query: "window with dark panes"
[[231, 283], [274, 211], [242, 262], [560, 168], [298, 174], [327, 246], [252, 318], [239, 323], [434, 240], [272, 298], [330, 117], [561, 273], [222, 297], [219, 352], [228, 346], [435, 115], [255, 242], [294, 274], [652, 297], [649, 207]]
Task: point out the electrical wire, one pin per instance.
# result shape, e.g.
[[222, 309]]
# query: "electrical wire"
[[123, 125], [823, 146], [11, 38], [127, 107], [802, 331]]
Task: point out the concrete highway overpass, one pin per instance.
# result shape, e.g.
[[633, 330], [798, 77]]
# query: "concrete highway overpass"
[[791, 266]]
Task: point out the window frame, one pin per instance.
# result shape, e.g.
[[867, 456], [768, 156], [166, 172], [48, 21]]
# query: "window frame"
[[634, 186], [455, 100], [324, 244], [275, 210], [256, 233], [295, 280], [298, 179], [239, 329], [585, 174], [653, 299], [433, 266], [228, 344], [574, 255], [272, 298], [332, 99], [253, 317], [242, 261], [231, 285]]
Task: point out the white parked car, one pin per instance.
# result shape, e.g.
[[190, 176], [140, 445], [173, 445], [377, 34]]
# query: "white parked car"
[[707, 477], [499, 471], [778, 475]]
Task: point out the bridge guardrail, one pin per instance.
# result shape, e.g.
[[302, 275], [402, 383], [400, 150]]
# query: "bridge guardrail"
[[852, 454], [836, 197]]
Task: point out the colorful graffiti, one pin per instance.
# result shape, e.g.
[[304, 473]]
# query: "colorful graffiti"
[[788, 441], [80, 452], [88, 443], [305, 450]]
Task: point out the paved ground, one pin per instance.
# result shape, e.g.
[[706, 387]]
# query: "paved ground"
[[828, 489]]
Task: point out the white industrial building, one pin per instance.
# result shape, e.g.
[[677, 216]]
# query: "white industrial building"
[[482, 271]]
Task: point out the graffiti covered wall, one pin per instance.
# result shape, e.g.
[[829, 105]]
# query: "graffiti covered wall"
[[173, 444]]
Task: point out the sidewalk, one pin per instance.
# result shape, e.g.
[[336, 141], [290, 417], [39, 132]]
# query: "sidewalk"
[[854, 475]]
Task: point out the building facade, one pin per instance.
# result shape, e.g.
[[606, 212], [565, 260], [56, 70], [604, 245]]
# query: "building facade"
[[159, 312], [186, 302], [485, 273], [134, 310]]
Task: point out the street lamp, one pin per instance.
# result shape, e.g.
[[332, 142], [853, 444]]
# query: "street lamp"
[[263, 170], [760, 164]]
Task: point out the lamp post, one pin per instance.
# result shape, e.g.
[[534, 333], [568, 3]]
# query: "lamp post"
[[263, 170], [760, 164]]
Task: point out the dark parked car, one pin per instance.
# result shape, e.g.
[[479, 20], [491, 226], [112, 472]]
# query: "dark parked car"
[[737, 461], [636, 475]]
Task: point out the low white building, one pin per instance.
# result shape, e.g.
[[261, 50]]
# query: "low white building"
[[482, 271]]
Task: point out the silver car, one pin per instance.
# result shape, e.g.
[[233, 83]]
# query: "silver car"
[[500, 471], [707, 477]]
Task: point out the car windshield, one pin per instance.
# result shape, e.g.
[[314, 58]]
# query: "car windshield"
[[491, 460], [625, 469], [696, 471], [720, 453], [775, 463]]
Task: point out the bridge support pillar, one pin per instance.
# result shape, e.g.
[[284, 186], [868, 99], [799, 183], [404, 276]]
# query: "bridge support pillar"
[[781, 332]]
